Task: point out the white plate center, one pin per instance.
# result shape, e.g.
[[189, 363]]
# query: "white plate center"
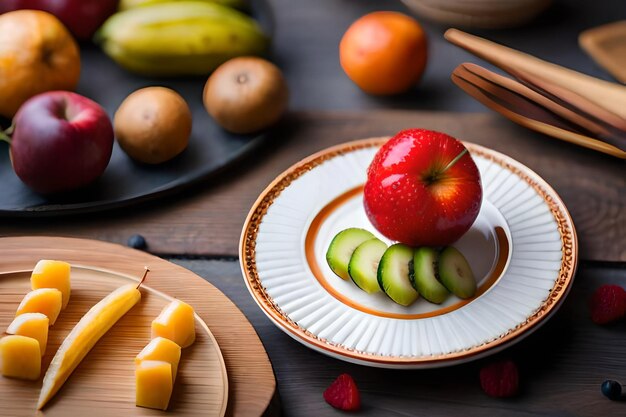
[[481, 245]]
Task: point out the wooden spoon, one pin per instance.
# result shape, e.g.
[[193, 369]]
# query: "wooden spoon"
[[534, 117], [602, 99]]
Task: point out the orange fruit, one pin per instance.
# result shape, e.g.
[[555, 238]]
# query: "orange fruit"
[[37, 54], [384, 52]]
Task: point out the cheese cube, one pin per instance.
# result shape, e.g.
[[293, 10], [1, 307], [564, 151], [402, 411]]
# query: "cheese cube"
[[153, 383], [161, 349], [52, 274], [33, 325], [177, 323], [20, 357], [44, 300]]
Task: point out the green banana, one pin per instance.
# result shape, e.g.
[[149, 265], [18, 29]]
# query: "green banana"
[[179, 38], [131, 4]]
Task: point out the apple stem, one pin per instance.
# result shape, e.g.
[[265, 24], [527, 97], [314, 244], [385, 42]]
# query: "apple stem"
[[454, 161], [143, 278], [4, 135]]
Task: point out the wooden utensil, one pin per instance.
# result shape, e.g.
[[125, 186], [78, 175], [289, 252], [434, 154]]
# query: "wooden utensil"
[[486, 14], [606, 44], [534, 117], [542, 100], [602, 99]]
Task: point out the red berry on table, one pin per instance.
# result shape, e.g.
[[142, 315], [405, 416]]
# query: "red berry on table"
[[422, 189], [500, 379], [343, 394], [608, 303]]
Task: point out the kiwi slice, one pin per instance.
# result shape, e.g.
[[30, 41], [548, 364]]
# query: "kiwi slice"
[[342, 247], [424, 276], [363, 265], [455, 273], [393, 274]]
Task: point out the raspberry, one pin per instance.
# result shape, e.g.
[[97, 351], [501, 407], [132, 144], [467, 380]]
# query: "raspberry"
[[608, 303], [343, 394], [500, 379]]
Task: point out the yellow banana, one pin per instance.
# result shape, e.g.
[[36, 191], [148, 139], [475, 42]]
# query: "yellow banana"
[[180, 38], [91, 327], [131, 4]]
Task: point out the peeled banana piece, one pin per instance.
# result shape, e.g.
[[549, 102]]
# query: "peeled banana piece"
[[91, 327], [179, 38], [131, 4]]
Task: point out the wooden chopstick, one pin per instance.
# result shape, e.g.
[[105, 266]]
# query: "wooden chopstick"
[[589, 124], [602, 99], [533, 95], [537, 125]]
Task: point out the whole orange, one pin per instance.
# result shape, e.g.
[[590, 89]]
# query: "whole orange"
[[37, 54], [384, 52]]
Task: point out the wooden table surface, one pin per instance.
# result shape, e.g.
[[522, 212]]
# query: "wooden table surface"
[[562, 365]]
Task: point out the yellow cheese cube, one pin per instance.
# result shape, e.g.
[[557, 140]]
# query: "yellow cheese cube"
[[52, 274], [33, 325], [44, 300], [177, 323], [161, 349], [20, 357], [153, 383]]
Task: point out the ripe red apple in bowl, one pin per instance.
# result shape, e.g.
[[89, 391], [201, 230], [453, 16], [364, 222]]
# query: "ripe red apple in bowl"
[[82, 17], [61, 141], [423, 189]]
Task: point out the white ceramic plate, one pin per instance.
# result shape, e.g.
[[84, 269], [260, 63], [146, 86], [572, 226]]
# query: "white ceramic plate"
[[522, 249]]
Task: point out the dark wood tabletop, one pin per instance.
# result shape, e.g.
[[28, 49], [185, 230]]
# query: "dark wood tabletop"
[[562, 365]]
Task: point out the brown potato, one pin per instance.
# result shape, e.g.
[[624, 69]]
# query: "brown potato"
[[153, 124], [246, 94]]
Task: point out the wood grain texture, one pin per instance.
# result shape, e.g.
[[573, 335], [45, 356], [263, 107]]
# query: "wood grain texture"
[[250, 377], [208, 220], [606, 44], [201, 386], [561, 366]]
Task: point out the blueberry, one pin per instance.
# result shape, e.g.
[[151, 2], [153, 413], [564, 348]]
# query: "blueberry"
[[137, 242], [612, 389]]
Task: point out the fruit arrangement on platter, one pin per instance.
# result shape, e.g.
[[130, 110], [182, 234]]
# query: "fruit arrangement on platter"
[[423, 191], [21, 351], [61, 141]]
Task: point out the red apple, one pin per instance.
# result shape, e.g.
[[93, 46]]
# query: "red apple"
[[82, 17], [423, 189], [61, 141]]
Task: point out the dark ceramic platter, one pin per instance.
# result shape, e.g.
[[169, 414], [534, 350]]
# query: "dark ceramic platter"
[[125, 182]]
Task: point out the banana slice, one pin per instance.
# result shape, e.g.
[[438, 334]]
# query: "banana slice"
[[91, 327]]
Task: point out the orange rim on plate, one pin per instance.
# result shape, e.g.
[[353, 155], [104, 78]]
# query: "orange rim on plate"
[[562, 283]]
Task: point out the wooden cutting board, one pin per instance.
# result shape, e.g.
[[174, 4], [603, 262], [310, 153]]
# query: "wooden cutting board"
[[207, 221], [239, 377]]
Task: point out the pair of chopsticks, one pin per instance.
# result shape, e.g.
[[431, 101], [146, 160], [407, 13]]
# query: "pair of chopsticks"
[[545, 97]]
